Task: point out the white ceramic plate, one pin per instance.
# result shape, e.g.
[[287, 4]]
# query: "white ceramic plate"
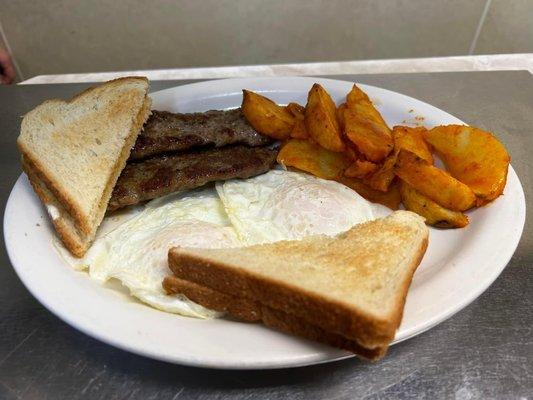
[[458, 266]]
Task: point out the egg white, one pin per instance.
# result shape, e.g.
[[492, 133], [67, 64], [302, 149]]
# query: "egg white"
[[132, 245], [285, 205], [135, 252]]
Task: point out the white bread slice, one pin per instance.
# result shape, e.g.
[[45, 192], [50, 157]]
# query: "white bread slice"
[[253, 311], [75, 150], [77, 242], [354, 285]]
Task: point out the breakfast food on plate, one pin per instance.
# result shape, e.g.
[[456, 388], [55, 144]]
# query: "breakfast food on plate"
[[253, 311], [361, 169], [412, 139], [134, 250], [73, 152], [267, 117], [391, 198], [406, 138], [299, 130], [200, 223], [283, 205], [353, 144], [308, 156], [162, 175], [166, 132], [433, 213], [321, 119], [433, 182], [365, 127], [132, 246], [473, 156], [77, 154], [352, 286], [185, 151]]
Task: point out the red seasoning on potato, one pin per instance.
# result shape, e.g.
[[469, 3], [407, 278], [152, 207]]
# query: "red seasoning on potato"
[[321, 119], [266, 117], [474, 157]]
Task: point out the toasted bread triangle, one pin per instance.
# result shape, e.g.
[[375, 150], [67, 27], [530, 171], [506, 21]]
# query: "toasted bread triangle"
[[75, 150], [253, 311], [354, 284]]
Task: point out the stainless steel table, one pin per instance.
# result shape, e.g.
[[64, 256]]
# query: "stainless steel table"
[[485, 351]]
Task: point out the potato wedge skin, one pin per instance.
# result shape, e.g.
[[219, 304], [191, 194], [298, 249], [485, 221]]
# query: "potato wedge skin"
[[360, 169], [297, 110], [383, 176], [310, 157], [365, 127], [266, 117], [391, 198], [407, 138], [340, 115], [356, 96], [299, 131], [434, 214], [473, 156], [352, 152], [433, 182], [359, 101], [321, 119], [412, 139], [371, 138]]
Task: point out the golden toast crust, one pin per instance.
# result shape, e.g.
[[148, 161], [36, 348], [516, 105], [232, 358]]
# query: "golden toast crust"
[[73, 239], [253, 311], [369, 330], [78, 233]]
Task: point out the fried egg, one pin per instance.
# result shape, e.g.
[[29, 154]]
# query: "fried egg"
[[135, 252], [285, 205], [132, 245]]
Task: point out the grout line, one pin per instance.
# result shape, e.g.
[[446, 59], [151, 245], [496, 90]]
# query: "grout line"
[[8, 48], [479, 27]]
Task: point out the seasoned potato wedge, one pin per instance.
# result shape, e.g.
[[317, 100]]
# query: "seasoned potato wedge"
[[357, 96], [434, 214], [359, 101], [340, 115], [365, 127], [391, 198], [407, 138], [266, 117], [383, 176], [474, 157], [296, 110], [360, 169], [412, 139], [299, 131], [352, 152], [321, 119], [371, 138], [433, 182], [310, 157]]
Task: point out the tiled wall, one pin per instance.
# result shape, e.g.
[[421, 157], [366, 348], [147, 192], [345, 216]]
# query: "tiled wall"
[[61, 36]]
